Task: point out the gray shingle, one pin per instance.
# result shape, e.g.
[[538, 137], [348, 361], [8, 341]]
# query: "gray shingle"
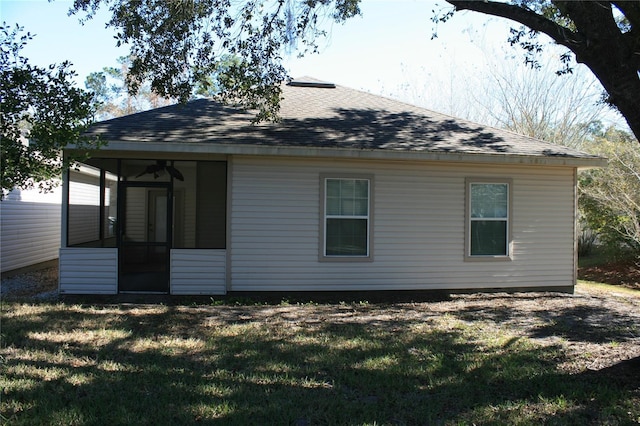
[[323, 117]]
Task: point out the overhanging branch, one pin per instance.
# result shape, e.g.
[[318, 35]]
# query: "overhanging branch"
[[561, 35]]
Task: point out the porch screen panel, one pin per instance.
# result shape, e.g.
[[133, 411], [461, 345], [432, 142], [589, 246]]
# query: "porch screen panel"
[[84, 206], [110, 210], [202, 209], [211, 204]]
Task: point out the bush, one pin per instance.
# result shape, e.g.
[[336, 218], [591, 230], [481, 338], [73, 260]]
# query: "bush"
[[610, 198], [586, 242]]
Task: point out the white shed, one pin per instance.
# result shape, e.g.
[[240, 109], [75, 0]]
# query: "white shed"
[[349, 192]]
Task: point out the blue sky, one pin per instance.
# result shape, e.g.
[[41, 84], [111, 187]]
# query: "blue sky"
[[388, 50], [59, 37], [367, 52]]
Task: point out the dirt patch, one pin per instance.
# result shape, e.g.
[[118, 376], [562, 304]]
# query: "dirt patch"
[[623, 273], [40, 284], [598, 329], [596, 332]]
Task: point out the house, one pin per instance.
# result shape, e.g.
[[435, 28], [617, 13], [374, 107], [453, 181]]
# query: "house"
[[350, 191], [29, 229]]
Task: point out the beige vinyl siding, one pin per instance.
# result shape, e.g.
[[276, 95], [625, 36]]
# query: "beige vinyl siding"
[[195, 271], [418, 236], [30, 232], [85, 270]]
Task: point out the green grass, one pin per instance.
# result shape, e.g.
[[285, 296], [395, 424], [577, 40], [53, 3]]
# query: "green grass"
[[94, 365], [607, 288]]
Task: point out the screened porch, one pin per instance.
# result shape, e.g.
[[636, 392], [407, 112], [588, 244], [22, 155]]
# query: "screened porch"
[[160, 223]]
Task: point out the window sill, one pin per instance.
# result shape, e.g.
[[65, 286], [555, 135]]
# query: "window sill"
[[345, 259], [478, 258]]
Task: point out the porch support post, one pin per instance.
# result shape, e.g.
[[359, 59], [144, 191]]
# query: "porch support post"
[[228, 248], [64, 217]]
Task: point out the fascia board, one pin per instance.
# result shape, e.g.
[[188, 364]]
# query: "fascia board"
[[321, 152]]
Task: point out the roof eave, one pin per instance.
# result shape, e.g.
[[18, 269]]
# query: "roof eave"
[[349, 153]]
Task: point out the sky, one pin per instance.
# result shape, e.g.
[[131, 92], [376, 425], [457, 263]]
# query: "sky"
[[388, 50]]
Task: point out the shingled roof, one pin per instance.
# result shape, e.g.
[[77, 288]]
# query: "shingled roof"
[[319, 119]]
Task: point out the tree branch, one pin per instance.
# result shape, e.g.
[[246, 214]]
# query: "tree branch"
[[598, 42], [631, 11], [561, 35]]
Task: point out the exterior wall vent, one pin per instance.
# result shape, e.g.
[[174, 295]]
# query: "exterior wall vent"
[[314, 84]]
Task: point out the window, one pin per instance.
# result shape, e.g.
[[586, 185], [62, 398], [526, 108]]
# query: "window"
[[488, 219], [346, 218]]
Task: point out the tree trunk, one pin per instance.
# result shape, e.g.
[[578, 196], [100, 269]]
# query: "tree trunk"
[[623, 87]]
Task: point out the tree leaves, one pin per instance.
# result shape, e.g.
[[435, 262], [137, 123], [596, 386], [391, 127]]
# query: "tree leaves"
[[610, 197], [42, 113], [601, 35], [114, 99], [178, 45]]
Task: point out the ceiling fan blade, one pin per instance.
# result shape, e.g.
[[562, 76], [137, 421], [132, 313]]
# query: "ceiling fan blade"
[[175, 173], [152, 169]]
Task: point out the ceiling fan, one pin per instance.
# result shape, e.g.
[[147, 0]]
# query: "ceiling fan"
[[159, 167]]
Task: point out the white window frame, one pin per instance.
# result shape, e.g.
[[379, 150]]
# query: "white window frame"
[[468, 219], [323, 256]]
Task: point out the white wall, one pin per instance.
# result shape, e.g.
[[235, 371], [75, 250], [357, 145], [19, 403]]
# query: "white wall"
[[85, 270], [29, 228], [196, 271], [418, 236]]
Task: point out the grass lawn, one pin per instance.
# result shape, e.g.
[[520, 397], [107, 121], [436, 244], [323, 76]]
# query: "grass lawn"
[[350, 363]]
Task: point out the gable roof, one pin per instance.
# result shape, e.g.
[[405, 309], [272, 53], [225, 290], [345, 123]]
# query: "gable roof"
[[321, 119]]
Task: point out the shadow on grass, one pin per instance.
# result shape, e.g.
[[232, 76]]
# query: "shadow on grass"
[[581, 323], [173, 365]]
